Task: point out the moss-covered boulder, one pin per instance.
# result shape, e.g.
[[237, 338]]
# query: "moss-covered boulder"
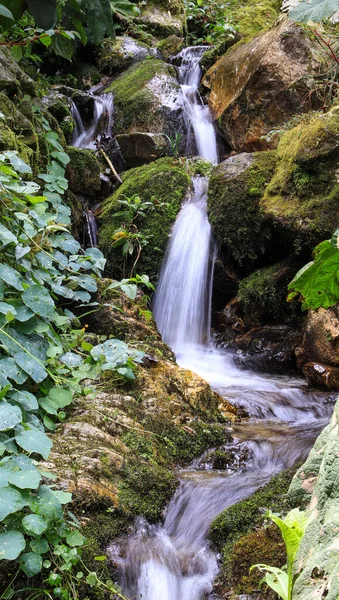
[[146, 98], [301, 200], [170, 45], [258, 86], [140, 148], [115, 56], [83, 172], [240, 536], [13, 80], [163, 18], [238, 222], [315, 486], [165, 184]]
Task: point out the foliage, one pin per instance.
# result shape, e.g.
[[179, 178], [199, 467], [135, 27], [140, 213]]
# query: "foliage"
[[207, 22], [127, 236], [61, 24], [292, 529], [44, 360], [310, 10], [174, 143], [317, 283], [326, 83]]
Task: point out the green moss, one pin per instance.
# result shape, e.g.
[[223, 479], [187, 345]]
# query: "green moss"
[[265, 291], [83, 171], [170, 45], [164, 183], [251, 17], [68, 125], [115, 56], [86, 75], [135, 105], [233, 205]]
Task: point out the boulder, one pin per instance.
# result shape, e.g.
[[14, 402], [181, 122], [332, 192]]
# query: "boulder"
[[140, 148], [268, 349], [162, 19], [115, 56], [147, 98], [13, 80], [320, 338], [258, 86], [83, 172], [165, 183], [170, 45], [321, 375], [301, 200], [235, 189]]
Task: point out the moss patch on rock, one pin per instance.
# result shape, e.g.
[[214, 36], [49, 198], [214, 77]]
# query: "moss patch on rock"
[[117, 55], [165, 183], [83, 172], [237, 220]]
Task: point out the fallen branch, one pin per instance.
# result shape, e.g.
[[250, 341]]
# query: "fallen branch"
[[109, 162]]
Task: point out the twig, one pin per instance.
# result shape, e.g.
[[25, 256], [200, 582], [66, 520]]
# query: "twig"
[[110, 165]]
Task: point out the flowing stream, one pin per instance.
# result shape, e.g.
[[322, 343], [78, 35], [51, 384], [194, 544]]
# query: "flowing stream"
[[173, 561]]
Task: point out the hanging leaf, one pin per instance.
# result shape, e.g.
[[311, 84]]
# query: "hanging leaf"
[[5, 12], [11, 544], [99, 19], [39, 301], [10, 416], [10, 502], [46, 16], [34, 440]]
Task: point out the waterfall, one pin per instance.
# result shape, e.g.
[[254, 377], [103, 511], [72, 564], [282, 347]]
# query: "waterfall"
[[173, 561], [101, 125]]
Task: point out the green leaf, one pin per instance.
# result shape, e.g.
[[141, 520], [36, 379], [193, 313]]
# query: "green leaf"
[[6, 236], [10, 416], [45, 16], [23, 313], [17, 163], [75, 539], [276, 579], [47, 505], [27, 400], [39, 545], [31, 366], [92, 579], [34, 524], [10, 502], [12, 543], [38, 299], [99, 19], [34, 440], [313, 10], [11, 277], [61, 396], [27, 479], [63, 497], [5, 12], [16, 53], [292, 529], [31, 563]]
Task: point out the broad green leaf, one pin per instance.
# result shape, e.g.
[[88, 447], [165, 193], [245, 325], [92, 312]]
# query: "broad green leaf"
[[313, 10], [38, 299], [12, 543], [47, 505], [46, 16], [10, 502], [62, 397], [10, 416], [34, 440], [9, 368], [23, 313], [5, 12], [11, 277], [99, 19], [71, 359], [31, 563], [39, 545], [31, 366], [17, 163], [27, 400], [276, 578], [34, 524], [75, 539], [63, 497], [6, 236], [292, 529], [25, 480]]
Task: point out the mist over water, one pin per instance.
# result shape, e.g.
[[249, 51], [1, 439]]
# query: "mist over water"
[[173, 560]]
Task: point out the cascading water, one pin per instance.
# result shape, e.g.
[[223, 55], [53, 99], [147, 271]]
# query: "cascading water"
[[173, 561], [101, 125]]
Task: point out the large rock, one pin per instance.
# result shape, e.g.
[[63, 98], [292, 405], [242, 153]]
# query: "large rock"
[[268, 349], [235, 189], [163, 18], [258, 86], [165, 184], [315, 487], [115, 56], [140, 148], [147, 98], [13, 80], [301, 200], [83, 172]]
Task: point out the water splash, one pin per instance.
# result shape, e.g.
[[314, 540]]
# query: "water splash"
[[101, 125]]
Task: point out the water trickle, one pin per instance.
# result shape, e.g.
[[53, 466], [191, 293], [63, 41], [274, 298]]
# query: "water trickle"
[[101, 125], [173, 561]]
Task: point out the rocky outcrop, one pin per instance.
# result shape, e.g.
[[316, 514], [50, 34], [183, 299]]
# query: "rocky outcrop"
[[163, 18], [256, 87], [115, 56], [147, 99], [83, 172], [140, 148], [165, 184], [315, 487], [268, 349]]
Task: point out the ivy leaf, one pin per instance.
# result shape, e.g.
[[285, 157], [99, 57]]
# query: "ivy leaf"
[[11, 277], [10, 416], [27, 479], [31, 563], [10, 502], [11, 544], [6, 236], [38, 299], [31, 366], [34, 440], [34, 524]]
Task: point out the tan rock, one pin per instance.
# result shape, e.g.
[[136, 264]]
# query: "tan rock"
[[320, 340]]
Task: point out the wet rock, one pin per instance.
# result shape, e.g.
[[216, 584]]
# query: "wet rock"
[[321, 375], [140, 148], [118, 55], [268, 349], [164, 18], [235, 189], [225, 283], [258, 86], [315, 487], [147, 98], [83, 172], [13, 80], [229, 323], [170, 45], [320, 338]]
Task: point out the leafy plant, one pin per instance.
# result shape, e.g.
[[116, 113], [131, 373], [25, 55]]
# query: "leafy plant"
[[292, 529], [206, 21], [311, 10], [174, 142], [44, 360], [317, 283]]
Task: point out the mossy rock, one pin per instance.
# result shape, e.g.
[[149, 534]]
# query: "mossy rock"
[[302, 198], [83, 172], [238, 222], [170, 45], [145, 99], [119, 54], [87, 75], [13, 80], [164, 18], [165, 183]]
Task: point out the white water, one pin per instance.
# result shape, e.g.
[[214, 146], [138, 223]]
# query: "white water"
[[101, 124], [173, 561]]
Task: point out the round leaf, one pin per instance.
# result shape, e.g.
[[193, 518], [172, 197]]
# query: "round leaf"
[[34, 524], [29, 479], [75, 539], [31, 563], [11, 544], [10, 502], [61, 396], [38, 299], [34, 440], [10, 416]]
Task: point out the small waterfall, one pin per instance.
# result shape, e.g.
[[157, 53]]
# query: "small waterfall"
[[101, 125], [182, 308], [90, 230]]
